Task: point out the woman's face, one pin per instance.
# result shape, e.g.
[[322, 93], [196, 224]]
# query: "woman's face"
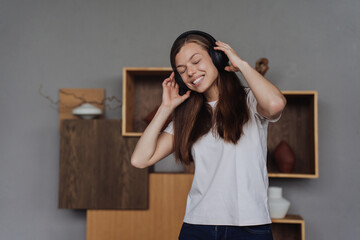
[[197, 70]]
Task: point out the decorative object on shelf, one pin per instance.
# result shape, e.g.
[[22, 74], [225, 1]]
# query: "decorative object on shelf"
[[278, 205], [87, 111], [70, 98], [284, 157], [262, 65], [76, 96], [151, 115]]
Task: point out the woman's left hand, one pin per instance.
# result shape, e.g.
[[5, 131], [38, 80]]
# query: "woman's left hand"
[[235, 60]]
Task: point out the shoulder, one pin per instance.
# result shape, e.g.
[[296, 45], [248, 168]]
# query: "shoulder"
[[250, 99], [252, 104]]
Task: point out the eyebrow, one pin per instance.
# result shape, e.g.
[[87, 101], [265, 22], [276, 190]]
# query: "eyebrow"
[[189, 59]]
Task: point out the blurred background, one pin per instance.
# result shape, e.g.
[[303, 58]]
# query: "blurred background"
[[46, 45]]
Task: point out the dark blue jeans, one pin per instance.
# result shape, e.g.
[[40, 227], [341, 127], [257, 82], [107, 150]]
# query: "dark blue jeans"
[[211, 232]]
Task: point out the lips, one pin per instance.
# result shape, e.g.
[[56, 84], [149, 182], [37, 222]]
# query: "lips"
[[197, 80]]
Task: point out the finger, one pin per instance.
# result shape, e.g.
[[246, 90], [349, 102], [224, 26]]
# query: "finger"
[[166, 81], [167, 84], [219, 48], [222, 48], [186, 95], [219, 44], [173, 82], [223, 44], [230, 69]]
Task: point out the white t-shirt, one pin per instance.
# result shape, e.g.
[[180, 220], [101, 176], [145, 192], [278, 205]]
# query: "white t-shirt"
[[230, 181]]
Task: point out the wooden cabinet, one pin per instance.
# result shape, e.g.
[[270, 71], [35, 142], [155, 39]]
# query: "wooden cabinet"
[[95, 169], [163, 219]]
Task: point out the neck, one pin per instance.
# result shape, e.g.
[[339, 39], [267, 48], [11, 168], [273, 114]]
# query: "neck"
[[212, 93]]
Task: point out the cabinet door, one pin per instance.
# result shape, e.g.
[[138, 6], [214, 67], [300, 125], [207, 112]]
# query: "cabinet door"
[[95, 169]]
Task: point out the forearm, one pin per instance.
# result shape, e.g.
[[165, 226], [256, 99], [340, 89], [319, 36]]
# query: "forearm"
[[270, 99], [146, 145]]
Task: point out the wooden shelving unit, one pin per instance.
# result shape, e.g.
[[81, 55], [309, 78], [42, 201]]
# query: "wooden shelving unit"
[[95, 170], [163, 219], [298, 125], [168, 191]]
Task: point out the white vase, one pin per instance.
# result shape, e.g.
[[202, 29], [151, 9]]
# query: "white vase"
[[87, 111], [278, 205]]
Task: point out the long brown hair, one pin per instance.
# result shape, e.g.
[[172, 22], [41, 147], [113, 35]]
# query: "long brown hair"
[[194, 117]]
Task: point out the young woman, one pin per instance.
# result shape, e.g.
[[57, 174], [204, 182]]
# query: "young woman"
[[221, 126]]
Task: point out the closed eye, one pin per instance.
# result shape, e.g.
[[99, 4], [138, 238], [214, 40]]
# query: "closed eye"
[[197, 61], [181, 70]]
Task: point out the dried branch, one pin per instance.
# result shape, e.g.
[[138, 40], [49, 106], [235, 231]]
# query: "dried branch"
[[82, 100], [47, 97]]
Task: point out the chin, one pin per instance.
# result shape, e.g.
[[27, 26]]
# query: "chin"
[[198, 90]]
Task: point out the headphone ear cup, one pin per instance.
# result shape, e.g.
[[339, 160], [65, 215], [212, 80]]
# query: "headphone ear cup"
[[219, 59]]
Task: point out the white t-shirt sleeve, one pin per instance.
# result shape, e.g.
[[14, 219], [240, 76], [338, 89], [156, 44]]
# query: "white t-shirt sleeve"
[[252, 103], [169, 129]]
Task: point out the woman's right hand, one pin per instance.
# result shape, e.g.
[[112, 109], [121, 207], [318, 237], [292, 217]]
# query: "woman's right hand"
[[154, 145], [171, 97]]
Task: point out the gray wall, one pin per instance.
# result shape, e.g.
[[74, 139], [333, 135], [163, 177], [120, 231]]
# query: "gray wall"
[[311, 45]]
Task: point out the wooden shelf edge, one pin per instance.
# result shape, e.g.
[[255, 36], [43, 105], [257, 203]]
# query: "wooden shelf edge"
[[300, 92], [316, 135], [131, 134], [147, 69], [271, 175], [290, 218], [293, 175]]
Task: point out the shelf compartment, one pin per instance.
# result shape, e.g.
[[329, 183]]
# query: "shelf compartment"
[[142, 93], [298, 126], [292, 227]]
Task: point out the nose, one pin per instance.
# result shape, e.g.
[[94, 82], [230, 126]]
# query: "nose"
[[191, 70]]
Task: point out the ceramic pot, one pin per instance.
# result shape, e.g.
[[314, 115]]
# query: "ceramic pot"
[[87, 111], [279, 206], [284, 157]]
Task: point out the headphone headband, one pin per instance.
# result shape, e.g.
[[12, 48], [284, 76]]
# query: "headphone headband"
[[196, 32]]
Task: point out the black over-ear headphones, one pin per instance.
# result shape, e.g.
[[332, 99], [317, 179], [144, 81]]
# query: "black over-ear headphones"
[[218, 57]]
